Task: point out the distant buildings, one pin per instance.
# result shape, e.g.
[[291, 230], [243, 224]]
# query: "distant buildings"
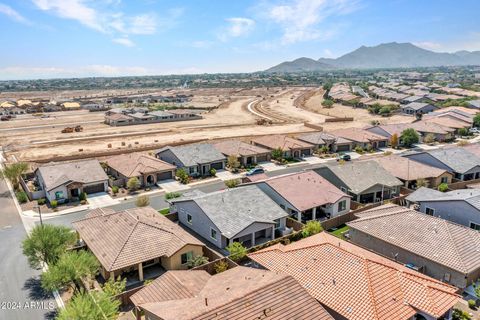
[[131, 116]]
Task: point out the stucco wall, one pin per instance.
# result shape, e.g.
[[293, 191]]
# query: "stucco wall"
[[456, 211], [175, 261]]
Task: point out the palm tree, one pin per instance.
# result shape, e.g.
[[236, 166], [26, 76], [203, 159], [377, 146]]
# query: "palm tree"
[[13, 172]]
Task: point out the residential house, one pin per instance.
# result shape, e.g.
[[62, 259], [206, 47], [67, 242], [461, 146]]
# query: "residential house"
[[355, 284], [460, 206], [419, 99], [246, 154], [326, 140], [136, 240], [147, 169], [361, 138], [438, 248], [418, 108], [449, 121], [474, 104], [365, 181], [239, 293], [66, 181], [243, 214], [411, 172], [130, 116], [306, 196], [424, 128], [197, 159], [464, 164], [291, 147]]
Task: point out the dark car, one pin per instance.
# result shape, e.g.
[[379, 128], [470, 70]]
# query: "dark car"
[[344, 157], [255, 171]]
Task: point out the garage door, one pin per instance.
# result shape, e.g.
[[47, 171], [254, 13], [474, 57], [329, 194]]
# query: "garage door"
[[262, 158], [306, 152], [95, 188], [164, 175], [344, 147], [382, 144], [217, 165]]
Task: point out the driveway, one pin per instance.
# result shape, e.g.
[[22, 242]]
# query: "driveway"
[[227, 175], [172, 185], [100, 200]]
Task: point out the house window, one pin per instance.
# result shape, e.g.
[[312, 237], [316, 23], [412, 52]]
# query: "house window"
[[277, 224], [429, 211], [213, 234], [475, 226], [186, 257], [191, 169], [189, 218], [342, 205], [444, 180], [59, 195]]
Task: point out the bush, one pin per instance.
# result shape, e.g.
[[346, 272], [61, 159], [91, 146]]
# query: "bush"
[[472, 304], [142, 201], [359, 150], [443, 187], [409, 137], [113, 288], [220, 266], [312, 227], [212, 172], [41, 201], [83, 196], [277, 154], [476, 120], [172, 195], [233, 163], [115, 189], [83, 202], [232, 183], [429, 138], [21, 196], [460, 315], [133, 184], [237, 251], [54, 203], [164, 211], [182, 175], [462, 132], [327, 103], [197, 261], [462, 143]]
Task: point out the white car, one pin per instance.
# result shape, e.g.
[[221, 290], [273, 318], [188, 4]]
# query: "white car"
[[474, 130]]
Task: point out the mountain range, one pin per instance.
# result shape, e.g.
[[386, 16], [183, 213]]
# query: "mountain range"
[[385, 55]]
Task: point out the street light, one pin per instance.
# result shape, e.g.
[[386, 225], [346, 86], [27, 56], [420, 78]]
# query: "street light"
[[40, 214]]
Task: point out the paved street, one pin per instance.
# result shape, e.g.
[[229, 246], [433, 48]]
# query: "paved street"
[[19, 285]]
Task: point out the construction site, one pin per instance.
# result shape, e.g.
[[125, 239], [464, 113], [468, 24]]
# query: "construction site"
[[230, 113]]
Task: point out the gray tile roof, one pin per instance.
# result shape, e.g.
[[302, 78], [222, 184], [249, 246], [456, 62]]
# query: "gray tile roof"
[[435, 239], [194, 154], [474, 103], [471, 196], [85, 171], [317, 138], [457, 158], [362, 175], [415, 105], [233, 210]]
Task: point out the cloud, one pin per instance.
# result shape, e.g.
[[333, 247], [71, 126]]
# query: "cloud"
[[469, 41], [301, 20], [12, 14], [237, 27], [124, 42]]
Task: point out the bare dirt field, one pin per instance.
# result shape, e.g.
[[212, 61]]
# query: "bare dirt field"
[[31, 138]]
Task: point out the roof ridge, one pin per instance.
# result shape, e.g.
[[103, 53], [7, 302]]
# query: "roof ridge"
[[370, 291], [126, 239], [459, 258]]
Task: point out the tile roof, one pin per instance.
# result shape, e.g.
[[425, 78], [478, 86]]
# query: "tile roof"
[[356, 283], [315, 190], [362, 175], [232, 210], [448, 122], [136, 164], [281, 141], [471, 196], [358, 135], [239, 148], [435, 239], [429, 127], [194, 154], [125, 238], [317, 138], [84, 171], [459, 159], [416, 105], [407, 169], [238, 293]]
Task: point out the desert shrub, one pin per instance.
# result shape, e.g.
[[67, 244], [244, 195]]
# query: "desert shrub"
[[212, 172], [172, 195], [443, 187], [237, 251], [409, 137], [182, 175], [54, 203], [133, 184], [312, 227], [220, 266], [115, 189], [41, 201], [142, 201], [472, 304], [429, 138], [21, 196], [232, 183], [83, 196], [327, 103], [359, 150]]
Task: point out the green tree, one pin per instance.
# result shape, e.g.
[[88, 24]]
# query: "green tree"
[[443, 187], [232, 183], [237, 251], [327, 103], [327, 86], [133, 184], [142, 201], [277, 154], [114, 287], [476, 120], [220, 266], [13, 172], [409, 137], [462, 132], [172, 195], [90, 306], [394, 140], [197, 261], [45, 244], [312, 227], [233, 163], [182, 175], [70, 267], [212, 172]]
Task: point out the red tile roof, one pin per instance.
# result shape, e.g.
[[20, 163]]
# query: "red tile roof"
[[356, 283], [136, 164]]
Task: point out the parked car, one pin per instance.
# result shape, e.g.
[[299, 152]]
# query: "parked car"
[[474, 130], [6, 118], [256, 170], [344, 157]]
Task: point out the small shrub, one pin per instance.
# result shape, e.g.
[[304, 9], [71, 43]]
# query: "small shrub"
[[21, 196], [359, 150], [133, 184], [142, 201], [172, 195], [232, 183], [312, 227], [212, 172], [41, 201], [54, 204], [114, 287], [429, 138], [237, 251], [462, 143], [277, 154], [460, 315], [472, 304], [164, 211], [147, 282], [443, 187], [182, 176], [197, 261], [233, 163], [115, 190], [327, 103], [220, 266], [83, 196], [462, 132]]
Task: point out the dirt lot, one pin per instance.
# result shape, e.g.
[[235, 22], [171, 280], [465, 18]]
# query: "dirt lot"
[[30, 138]]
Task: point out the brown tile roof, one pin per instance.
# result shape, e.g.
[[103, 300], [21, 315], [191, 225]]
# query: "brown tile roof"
[[356, 283], [239, 148], [315, 190], [121, 239], [136, 164], [435, 239], [281, 141], [407, 169], [462, 109], [238, 293], [448, 122], [431, 127], [357, 134]]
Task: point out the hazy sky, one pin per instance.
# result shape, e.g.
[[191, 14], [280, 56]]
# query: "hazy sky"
[[70, 38]]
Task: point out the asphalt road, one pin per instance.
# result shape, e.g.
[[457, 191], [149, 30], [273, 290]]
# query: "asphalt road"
[[21, 296]]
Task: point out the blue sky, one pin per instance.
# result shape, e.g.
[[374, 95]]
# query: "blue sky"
[[78, 38]]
